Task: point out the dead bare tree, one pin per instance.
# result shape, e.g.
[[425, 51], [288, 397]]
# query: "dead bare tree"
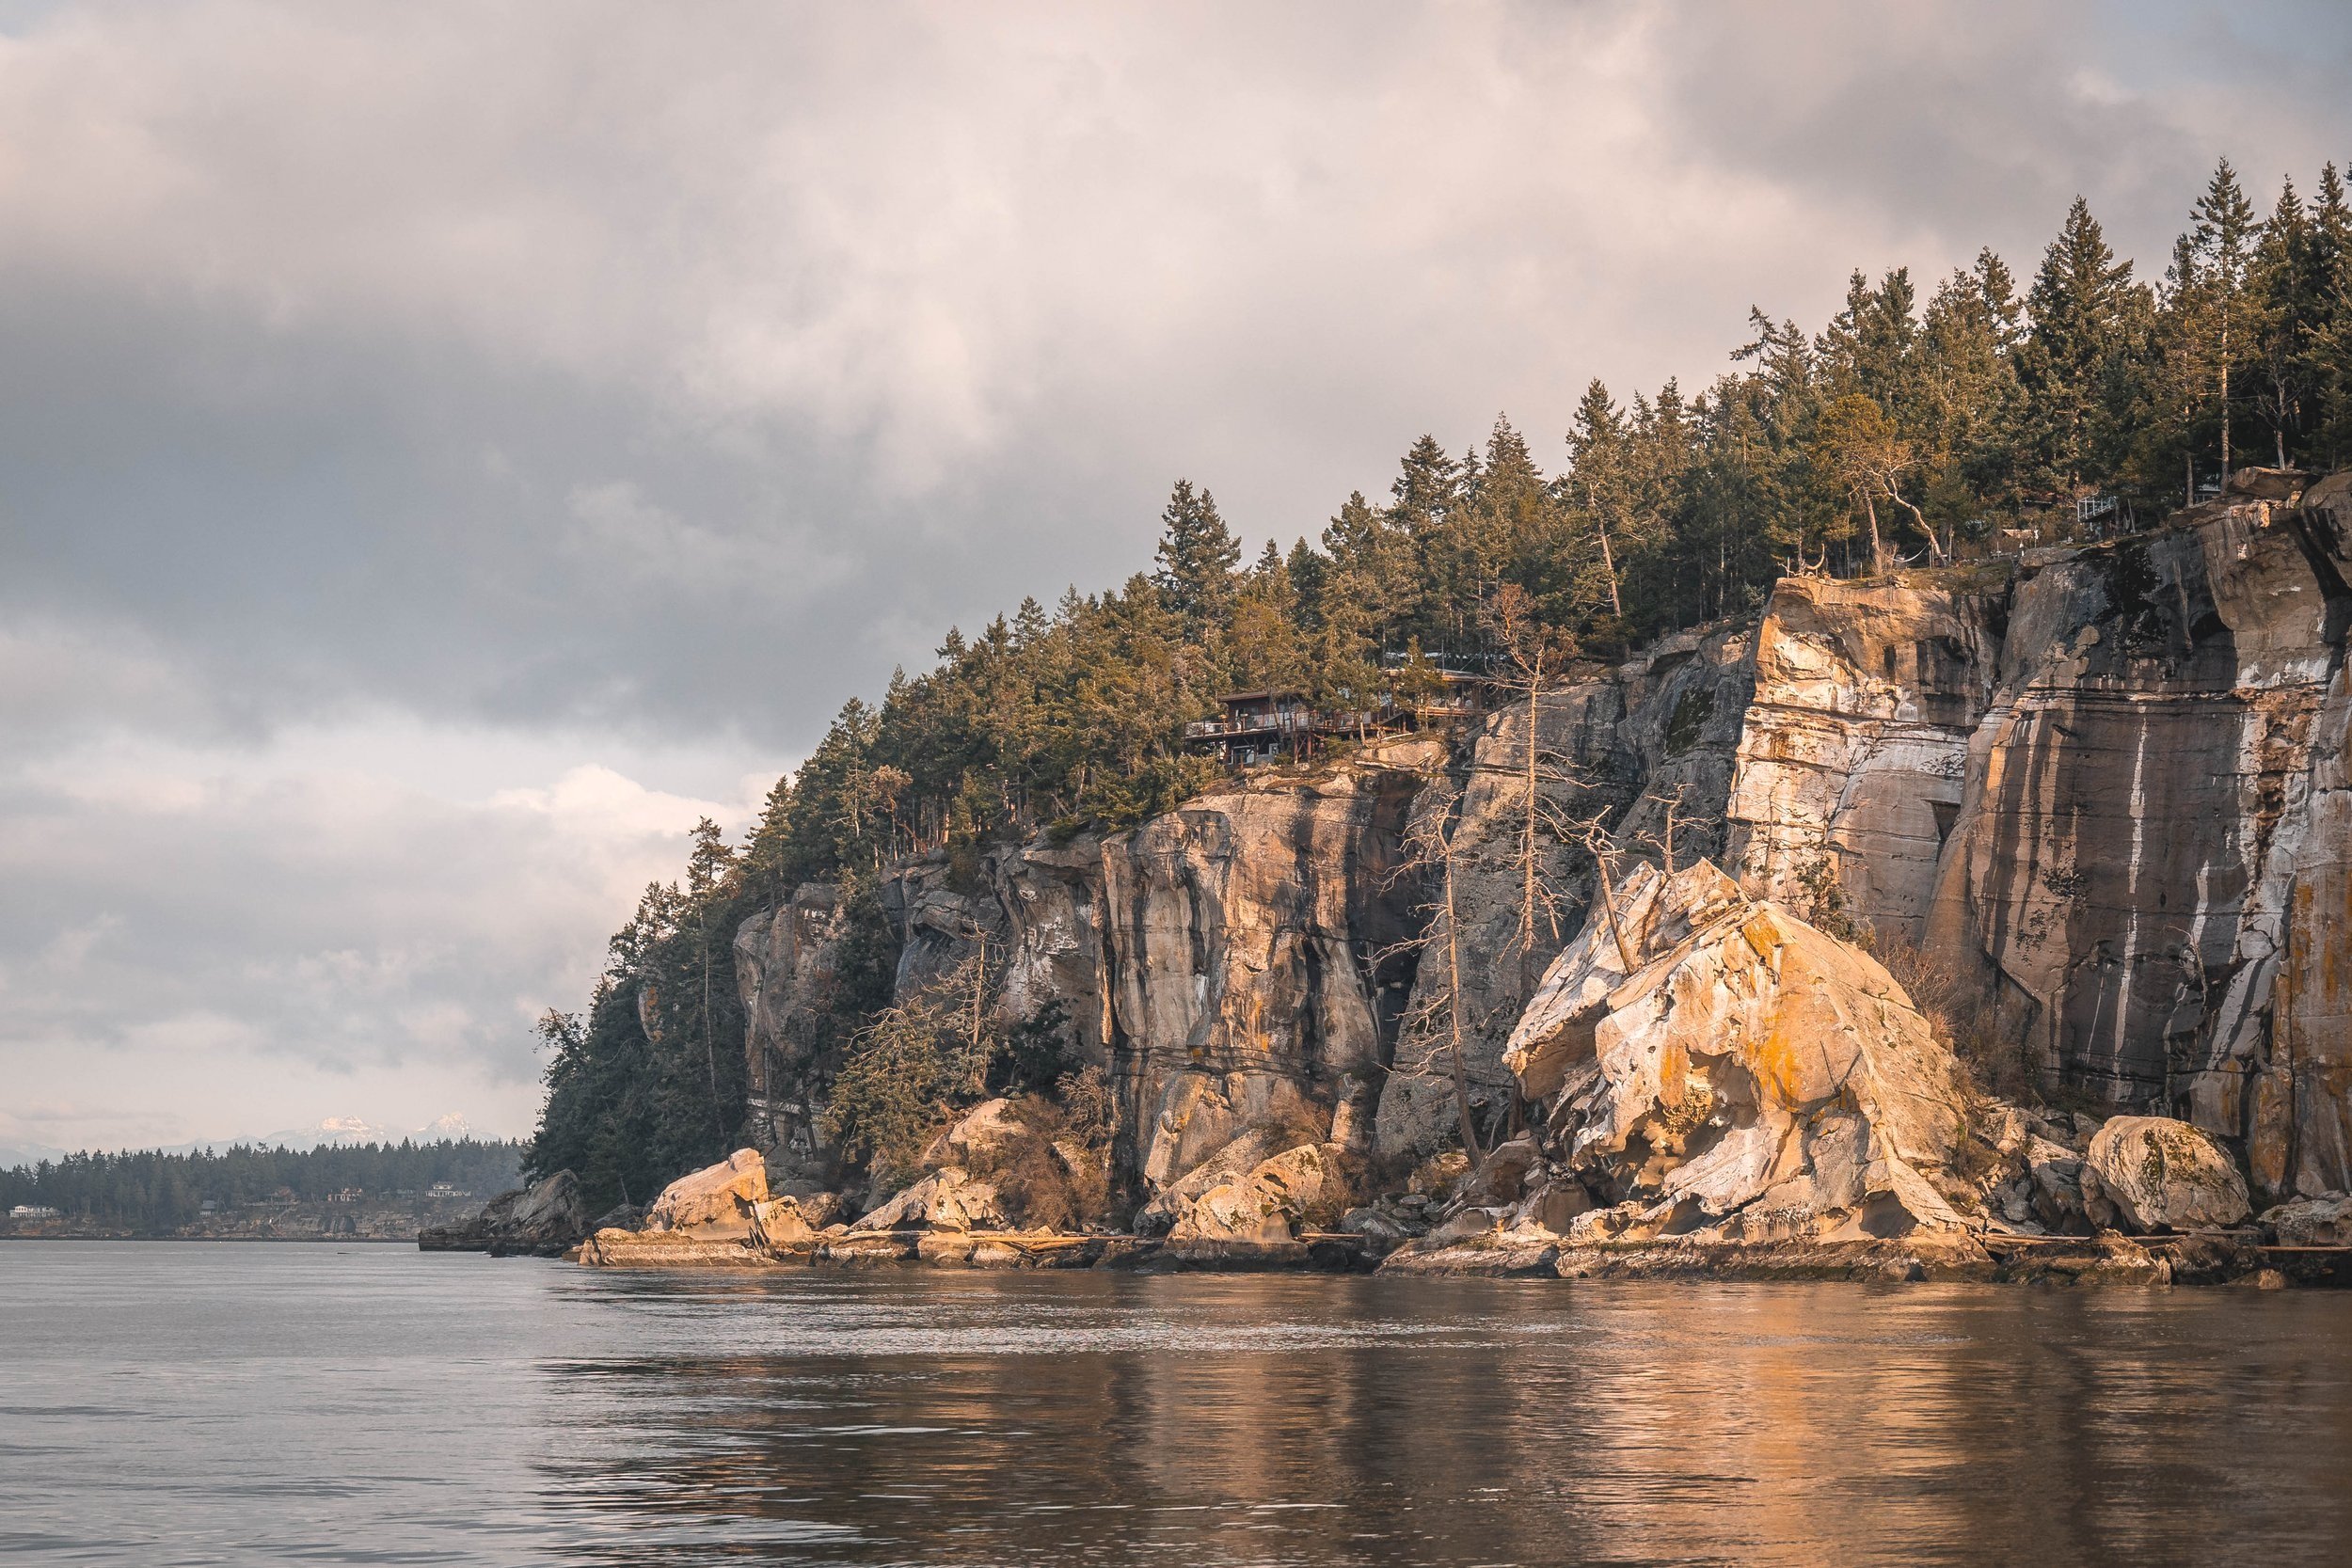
[[1435, 1015], [1535, 652], [1593, 832], [1663, 840]]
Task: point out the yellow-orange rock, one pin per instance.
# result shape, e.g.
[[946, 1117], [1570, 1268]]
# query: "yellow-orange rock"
[[1750, 1079], [717, 1200]]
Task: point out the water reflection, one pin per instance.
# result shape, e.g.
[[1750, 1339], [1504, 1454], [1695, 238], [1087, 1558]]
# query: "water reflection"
[[917, 1418]]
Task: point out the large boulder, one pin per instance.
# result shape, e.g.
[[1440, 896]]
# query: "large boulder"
[[948, 1199], [976, 1135], [543, 1220], [1234, 1162], [2165, 1175], [1711, 1066], [2312, 1221], [1278, 1198], [717, 1200]]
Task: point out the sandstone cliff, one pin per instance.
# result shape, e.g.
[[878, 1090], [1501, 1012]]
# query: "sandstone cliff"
[[2112, 783], [2105, 783]]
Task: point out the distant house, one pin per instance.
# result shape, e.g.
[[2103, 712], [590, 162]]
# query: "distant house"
[[446, 1189], [32, 1212], [1257, 726], [1262, 726]]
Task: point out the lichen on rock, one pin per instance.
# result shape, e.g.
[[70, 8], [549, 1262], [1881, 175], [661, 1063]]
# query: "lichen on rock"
[[1748, 1079]]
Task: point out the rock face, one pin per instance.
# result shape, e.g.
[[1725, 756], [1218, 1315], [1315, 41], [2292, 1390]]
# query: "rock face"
[[2165, 1175], [1660, 729], [785, 967], [2112, 784], [2125, 856], [1746, 1078], [717, 1200], [1251, 976], [545, 1220], [1854, 752], [2105, 785]]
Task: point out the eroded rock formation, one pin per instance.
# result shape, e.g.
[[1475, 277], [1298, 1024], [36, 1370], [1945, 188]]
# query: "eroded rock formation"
[[1746, 1078], [2114, 783], [1659, 732], [1255, 977], [2105, 784]]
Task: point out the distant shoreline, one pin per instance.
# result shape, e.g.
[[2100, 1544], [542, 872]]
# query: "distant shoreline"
[[267, 1240]]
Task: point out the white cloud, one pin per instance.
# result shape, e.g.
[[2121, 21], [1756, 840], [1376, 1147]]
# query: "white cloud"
[[301, 925]]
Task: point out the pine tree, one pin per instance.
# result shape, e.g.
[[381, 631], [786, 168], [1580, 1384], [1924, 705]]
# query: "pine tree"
[[2081, 307], [1967, 388], [2284, 288], [1598, 480], [2327, 354], [1197, 554], [2223, 233], [2183, 368]]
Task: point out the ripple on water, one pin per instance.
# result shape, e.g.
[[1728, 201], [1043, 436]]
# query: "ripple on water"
[[216, 1405]]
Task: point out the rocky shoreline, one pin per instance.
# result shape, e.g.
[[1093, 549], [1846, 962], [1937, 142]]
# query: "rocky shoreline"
[[1707, 1088], [2244, 1258], [724, 1218]]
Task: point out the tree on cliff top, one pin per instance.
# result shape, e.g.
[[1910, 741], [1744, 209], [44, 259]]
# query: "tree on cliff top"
[[2083, 308], [1197, 554]]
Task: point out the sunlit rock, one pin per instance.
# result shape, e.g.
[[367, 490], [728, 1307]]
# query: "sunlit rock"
[[946, 1199], [717, 1200], [2165, 1175], [1745, 1076], [1295, 1190]]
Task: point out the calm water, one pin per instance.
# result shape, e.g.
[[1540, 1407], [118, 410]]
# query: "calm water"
[[191, 1403]]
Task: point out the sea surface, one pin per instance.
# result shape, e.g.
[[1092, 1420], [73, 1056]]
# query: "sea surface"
[[190, 1402]]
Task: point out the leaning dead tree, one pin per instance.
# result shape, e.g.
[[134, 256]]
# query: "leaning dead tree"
[[1593, 833], [1664, 839]]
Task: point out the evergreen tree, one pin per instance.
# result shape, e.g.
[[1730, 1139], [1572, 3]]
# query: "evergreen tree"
[[2082, 308], [1197, 554], [2182, 372], [1599, 481], [2223, 233], [2327, 353], [2285, 285]]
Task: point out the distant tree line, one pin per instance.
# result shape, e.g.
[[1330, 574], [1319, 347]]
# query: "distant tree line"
[[1901, 433], [154, 1192]]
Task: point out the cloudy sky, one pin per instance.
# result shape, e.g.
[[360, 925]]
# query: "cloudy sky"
[[446, 450]]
